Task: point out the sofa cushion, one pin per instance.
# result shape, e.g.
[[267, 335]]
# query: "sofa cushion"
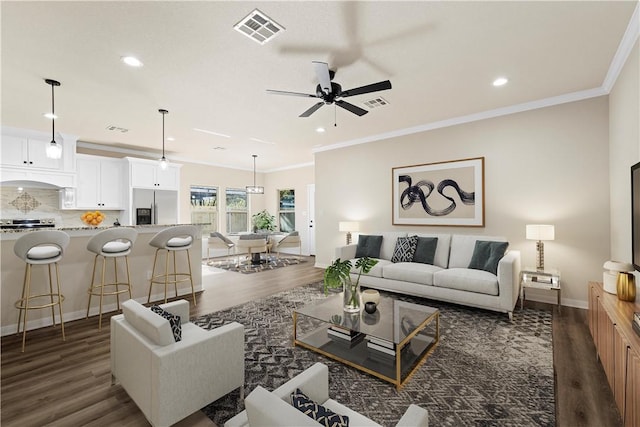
[[174, 322], [368, 246], [376, 271], [425, 250], [465, 279], [410, 272], [389, 243], [486, 255], [441, 257], [146, 322], [322, 415], [405, 249], [462, 247]]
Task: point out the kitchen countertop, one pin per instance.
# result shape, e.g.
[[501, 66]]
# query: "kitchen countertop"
[[13, 234]]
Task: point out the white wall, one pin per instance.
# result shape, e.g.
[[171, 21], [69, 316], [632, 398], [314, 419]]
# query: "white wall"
[[543, 166], [624, 151]]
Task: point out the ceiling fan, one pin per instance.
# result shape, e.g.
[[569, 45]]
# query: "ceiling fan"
[[331, 92]]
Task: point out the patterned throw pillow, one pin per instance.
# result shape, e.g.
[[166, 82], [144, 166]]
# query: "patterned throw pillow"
[[405, 248], [174, 321], [324, 416]]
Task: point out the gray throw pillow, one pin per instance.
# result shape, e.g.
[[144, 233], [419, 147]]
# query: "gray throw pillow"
[[425, 250], [368, 246], [405, 249], [486, 255]]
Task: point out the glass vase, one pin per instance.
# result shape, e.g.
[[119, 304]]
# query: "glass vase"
[[351, 295]]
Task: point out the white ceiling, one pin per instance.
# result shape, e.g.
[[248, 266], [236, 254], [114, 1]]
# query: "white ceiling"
[[440, 57]]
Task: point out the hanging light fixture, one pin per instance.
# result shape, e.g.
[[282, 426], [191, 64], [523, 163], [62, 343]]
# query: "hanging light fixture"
[[163, 160], [254, 189], [54, 150]]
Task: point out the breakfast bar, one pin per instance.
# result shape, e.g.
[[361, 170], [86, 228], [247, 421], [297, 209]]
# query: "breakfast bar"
[[75, 275]]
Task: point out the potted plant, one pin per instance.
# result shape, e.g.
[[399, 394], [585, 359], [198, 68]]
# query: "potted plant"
[[263, 220], [337, 275]]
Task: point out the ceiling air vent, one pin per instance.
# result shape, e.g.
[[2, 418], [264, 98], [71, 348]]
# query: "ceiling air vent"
[[259, 27], [376, 102], [117, 129]]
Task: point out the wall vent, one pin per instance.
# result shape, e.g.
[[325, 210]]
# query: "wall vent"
[[376, 102], [219, 148], [117, 129], [259, 27]]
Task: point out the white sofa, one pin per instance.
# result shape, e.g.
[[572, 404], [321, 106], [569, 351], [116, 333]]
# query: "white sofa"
[[448, 279], [269, 409], [170, 380]]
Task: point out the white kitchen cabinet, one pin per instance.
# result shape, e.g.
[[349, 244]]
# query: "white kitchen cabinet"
[[101, 183], [149, 174], [27, 152]]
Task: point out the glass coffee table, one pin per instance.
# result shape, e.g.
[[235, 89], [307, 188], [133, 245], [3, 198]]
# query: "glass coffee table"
[[389, 344]]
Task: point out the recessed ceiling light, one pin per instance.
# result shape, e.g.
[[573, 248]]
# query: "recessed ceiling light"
[[50, 116], [320, 129], [500, 81], [170, 138], [212, 132], [131, 61]]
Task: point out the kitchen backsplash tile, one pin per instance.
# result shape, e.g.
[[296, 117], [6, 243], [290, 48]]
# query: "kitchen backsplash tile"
[[37, 203]]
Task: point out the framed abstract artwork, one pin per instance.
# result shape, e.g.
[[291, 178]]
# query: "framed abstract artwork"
[[446, 193]]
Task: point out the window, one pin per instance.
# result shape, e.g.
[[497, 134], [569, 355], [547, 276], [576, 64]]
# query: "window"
[[237, 214], [286, 210], [204, 207]]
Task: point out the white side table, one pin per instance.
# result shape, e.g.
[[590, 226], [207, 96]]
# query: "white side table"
[[549, 280]]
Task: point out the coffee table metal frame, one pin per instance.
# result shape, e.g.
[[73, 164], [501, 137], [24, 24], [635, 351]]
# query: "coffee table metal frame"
[[396, 371]]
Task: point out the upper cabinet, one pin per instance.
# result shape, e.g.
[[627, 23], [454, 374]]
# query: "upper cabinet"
[[149, 174], [101, 183], [23, 157], [27, 152]]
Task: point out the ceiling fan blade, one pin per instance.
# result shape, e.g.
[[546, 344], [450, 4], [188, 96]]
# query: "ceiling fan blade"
[[322, 72], [350, 107], [312, 110], [282, 92], [367, 89]]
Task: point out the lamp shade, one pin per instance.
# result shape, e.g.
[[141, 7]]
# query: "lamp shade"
[[540, 232], [348, 226]]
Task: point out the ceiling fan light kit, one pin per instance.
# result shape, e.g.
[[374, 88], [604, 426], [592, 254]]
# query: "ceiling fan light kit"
[[331, 92]]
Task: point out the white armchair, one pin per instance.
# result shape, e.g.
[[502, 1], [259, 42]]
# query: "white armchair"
[[265, 408], [170, 380]]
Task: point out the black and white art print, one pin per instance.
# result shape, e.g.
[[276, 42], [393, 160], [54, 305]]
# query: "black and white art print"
[[445, 193]]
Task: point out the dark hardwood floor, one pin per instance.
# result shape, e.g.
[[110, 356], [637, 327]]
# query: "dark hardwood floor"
[[68, 383]]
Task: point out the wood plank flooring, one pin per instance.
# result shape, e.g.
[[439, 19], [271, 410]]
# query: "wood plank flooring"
[[69, 384]]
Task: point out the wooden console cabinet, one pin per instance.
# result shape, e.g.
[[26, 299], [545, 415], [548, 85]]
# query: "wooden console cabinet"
[[618, 348]]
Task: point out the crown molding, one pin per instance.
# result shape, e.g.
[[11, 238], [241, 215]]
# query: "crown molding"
[[624, 50]]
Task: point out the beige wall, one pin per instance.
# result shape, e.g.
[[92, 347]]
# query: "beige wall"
[[624, 151], [543, 166]]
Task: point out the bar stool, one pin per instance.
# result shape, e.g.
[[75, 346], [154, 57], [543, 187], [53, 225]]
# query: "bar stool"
[[45, 247], [172, 240], [113, 243]]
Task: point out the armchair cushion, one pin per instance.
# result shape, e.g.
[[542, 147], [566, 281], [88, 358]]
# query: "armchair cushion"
[[174, 322], [322, 415], [155, 328]]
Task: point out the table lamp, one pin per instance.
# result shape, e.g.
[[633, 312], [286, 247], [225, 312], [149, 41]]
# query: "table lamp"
[[348, 226], [540, 232]]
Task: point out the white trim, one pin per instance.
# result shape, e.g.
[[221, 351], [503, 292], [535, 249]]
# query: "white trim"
[[624, 50], [498, 112]]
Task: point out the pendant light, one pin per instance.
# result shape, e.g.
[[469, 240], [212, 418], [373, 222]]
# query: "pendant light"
[[254, 189], [163, 160], [54, 150]]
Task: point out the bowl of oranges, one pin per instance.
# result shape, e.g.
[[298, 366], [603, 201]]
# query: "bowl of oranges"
[[92, 218]]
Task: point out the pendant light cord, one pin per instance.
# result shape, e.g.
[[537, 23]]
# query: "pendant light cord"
[[53, 118]]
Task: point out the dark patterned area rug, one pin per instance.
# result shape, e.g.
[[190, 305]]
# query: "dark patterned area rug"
[[486, 371], [229, 264]]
